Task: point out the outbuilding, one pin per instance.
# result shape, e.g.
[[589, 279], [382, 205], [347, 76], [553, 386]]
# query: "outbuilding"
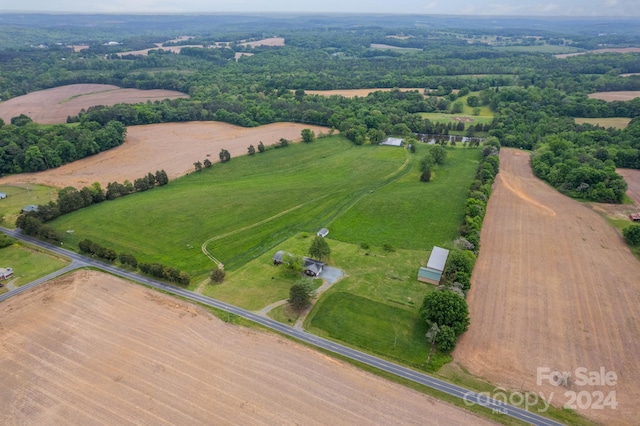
[[392, 142], [3, 195], [323, 232], [6, 273], [435, 266]]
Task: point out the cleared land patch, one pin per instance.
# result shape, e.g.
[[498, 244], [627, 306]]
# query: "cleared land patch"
[[53, 106], [350, 93], [616, 96], [552, 290], [608, 50], [104, 351], [632, 177], [617, 122], [173, 147]]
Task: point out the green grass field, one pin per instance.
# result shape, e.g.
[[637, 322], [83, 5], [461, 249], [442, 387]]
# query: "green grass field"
[[20, 195], [29, 263], [246, 207]]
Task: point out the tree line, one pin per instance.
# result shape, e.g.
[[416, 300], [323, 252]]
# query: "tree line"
[[445, 311], [27, 147]]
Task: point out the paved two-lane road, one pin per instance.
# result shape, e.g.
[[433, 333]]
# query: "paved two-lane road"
[[472, 398]]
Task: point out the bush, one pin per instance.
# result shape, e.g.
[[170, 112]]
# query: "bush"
[[632, 235], [6, 241], [446, 339], [446, 308], [217, 275]]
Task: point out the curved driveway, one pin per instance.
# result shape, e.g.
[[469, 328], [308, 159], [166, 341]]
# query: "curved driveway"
[[470, 397]]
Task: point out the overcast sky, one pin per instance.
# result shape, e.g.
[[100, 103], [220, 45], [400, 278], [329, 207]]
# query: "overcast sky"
[[624, 8]]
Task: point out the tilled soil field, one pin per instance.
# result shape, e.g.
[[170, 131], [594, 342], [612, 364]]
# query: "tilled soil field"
[[173, 147], [53, 106], [90, 348], [555, 288]]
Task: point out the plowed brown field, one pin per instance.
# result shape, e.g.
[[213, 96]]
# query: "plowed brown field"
[[92, 349], [53, 106], [632, 177], [173, 147], [616, 96], [554, 286], [350, 93]]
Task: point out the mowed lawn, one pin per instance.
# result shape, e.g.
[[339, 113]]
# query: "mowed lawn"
[[410, 214], [29, 263]]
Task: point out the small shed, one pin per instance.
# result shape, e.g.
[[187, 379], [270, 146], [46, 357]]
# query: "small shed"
[[3, 195], [278, 257], [635, 217], [392, 142], [435, 266], [323, 232]]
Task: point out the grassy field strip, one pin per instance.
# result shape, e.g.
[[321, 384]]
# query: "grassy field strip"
[[262, 222], [387, 180]]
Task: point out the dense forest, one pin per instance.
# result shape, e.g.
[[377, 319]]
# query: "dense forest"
[[508, 65]]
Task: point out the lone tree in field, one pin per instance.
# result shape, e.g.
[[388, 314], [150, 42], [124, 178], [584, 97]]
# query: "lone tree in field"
[[439, 154], [251, 150], [261, 147], [198, 166], [426, 163], [224, 156], [217, 275], [300, 294], [206, 163], [319, 248], [307, 135], [632, 235], [446, 308]]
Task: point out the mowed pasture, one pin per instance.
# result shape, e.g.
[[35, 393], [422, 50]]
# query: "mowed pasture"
[[53, 106], [244, 208], [556, 287], [90, 348]]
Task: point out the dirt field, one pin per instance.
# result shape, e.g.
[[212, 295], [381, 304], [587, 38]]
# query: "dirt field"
[[53, 106], [554, 286], [616, 122], [616, 96], [173, 147], [610, 50], [632, 177], [145, 52], [272, 41], [350, 93], [90, 348]]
